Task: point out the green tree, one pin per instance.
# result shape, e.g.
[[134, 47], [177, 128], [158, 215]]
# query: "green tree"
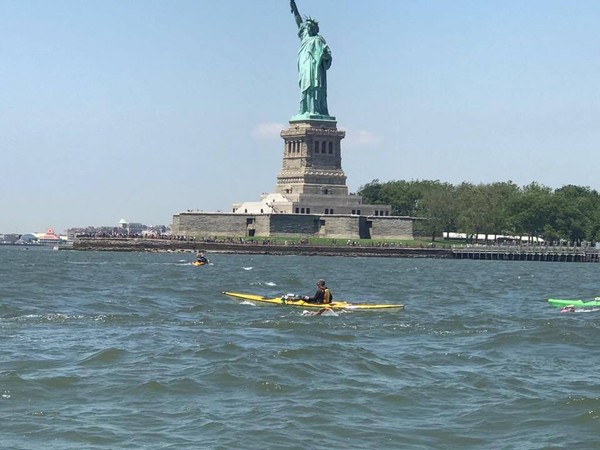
[[438, 207], [402, 196], [531, 210], [371, 192], [498, 197], [570, 213], [575, 208], [471, 200]]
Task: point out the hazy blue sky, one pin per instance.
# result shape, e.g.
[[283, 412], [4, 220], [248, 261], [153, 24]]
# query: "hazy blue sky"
[[140, 109]]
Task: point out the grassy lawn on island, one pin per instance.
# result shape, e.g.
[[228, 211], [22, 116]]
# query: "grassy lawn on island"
[[412, 243]]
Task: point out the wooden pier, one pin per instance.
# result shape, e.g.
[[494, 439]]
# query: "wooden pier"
[[528, 253]]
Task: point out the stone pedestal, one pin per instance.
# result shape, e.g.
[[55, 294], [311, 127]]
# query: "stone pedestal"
[[312, 161], [311, 179]]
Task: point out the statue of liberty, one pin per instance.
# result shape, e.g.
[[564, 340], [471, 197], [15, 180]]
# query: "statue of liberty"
[[314, 59]]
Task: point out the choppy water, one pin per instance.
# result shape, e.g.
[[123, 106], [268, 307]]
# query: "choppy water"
[[137, 350]]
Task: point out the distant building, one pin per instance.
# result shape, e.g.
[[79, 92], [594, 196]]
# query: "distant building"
[[48, 238], [122, 229], [27, 238], [130, 229], [136, 228], [10, 238]]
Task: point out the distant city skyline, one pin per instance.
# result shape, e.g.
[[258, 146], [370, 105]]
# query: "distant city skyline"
[[140, 110], [116, 225]]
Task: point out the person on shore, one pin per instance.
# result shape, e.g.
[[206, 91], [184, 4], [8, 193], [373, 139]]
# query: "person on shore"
[[201, 259], [322, 296]]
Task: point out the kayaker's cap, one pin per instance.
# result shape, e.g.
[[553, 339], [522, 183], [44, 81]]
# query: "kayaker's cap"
[[321, 283]]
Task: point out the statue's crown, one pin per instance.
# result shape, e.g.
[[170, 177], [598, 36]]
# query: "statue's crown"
[[309, 19]]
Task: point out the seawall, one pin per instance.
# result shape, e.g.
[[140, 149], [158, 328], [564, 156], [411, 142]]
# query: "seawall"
[[267, 248]]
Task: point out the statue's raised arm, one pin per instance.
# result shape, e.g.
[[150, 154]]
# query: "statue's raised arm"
[[295, 12]]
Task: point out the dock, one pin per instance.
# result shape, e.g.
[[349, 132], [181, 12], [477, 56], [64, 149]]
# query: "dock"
[[528, 253]]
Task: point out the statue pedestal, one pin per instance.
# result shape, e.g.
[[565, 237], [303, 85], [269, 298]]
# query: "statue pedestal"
[[312, 161]]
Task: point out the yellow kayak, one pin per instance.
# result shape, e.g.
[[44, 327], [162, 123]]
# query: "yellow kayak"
[[291, 301]]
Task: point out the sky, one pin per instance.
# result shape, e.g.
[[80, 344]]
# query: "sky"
[[141, 109]]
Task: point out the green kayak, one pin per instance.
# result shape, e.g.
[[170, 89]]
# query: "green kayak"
[[561, 303]]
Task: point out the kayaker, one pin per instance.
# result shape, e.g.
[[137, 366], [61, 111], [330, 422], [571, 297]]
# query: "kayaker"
[[201, 258], [323, 294]]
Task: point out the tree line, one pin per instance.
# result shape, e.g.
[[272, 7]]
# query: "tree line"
[[570, 213]]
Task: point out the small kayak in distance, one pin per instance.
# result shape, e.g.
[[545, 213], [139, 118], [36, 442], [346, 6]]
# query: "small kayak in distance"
[[561, 303], [198, 263], [290, 301]]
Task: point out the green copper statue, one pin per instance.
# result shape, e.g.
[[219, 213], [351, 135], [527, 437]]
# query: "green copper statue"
[[314, 58]]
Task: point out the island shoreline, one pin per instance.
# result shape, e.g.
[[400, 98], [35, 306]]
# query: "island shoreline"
[[255, 248]]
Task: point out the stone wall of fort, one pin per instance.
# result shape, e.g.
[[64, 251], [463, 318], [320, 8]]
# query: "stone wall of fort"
[[293, 225], [391, 227], [202, 225]]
